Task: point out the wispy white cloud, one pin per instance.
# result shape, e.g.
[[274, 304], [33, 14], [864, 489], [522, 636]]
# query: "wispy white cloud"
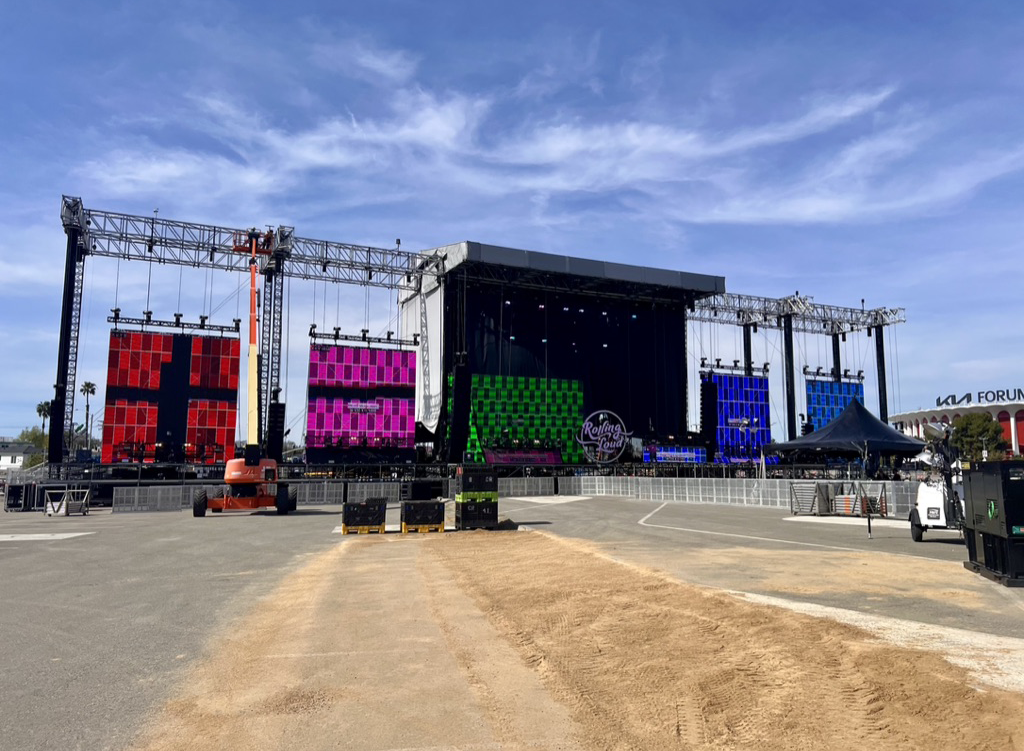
[[362, 59]]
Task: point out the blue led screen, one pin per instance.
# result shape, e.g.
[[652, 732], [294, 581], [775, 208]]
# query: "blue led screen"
[[676, 454], [826, 399], [743, 419]]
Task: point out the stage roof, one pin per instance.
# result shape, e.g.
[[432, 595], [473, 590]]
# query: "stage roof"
[[529, 268]]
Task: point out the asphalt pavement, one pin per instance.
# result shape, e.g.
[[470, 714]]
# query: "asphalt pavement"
[[98, 628]]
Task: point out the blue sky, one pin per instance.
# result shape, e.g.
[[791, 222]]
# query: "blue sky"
[[849, 151]]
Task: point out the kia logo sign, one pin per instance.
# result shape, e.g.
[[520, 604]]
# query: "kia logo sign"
[[603, 437]]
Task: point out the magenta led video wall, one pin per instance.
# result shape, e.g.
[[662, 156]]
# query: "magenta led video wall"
[[361, 397], [332, 365]]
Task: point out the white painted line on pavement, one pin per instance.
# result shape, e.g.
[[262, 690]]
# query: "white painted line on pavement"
[[43, 536], [859, 521], [644, 523], [548, 500]]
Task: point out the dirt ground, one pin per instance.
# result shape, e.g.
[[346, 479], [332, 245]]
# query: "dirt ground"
[[521, 640]]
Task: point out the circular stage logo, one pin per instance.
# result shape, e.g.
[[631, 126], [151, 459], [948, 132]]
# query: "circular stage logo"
[[603, 437]]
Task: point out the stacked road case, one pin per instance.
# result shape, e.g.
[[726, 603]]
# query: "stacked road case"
[[476, 498], [994, 527]]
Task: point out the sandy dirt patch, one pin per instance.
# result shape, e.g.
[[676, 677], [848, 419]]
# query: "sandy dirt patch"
[[520, 640], [646, 662]]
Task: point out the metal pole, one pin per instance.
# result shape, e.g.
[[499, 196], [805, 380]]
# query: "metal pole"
[[883, 398], [837, 365], [787, 322], [748, 364]]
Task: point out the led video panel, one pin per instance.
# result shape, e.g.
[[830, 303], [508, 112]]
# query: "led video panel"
[[826, 399], [170, 397], [515, 412], [743, 421], [361, 397], [676, 454]]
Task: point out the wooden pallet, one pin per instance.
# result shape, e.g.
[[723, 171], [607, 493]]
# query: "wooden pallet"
[[352, 530], [407, 528]]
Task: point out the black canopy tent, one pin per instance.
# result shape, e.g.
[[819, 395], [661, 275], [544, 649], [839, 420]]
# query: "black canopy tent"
[[855, 431]]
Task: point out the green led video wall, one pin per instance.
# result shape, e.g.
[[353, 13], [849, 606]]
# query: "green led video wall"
[[515, 411]]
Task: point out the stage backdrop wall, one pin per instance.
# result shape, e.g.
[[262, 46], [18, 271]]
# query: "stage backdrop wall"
[[627, 356]]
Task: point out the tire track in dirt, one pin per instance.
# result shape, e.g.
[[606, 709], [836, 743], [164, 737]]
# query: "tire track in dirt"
[[646, 662]]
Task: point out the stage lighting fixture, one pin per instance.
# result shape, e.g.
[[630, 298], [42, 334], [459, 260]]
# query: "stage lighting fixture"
[[508, 302], [337, 333], [148, 314], [177, 319], [312, 329], [735, 363], [765, 368], [860, 373], [323, 268], [703, 362], [390, 334], [202, 321], [237, 322], [543, 341], [565, 309], [844, 336], [581, 310], [604, 313], [818, 371], [415, 339], [117, 313], [364, 333], [633, 316], [846, 372], [605, 346], [718, 362], [807, 370], [540, 307], [512, 337]]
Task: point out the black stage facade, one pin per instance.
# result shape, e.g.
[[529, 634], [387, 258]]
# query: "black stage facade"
[[532, 343]]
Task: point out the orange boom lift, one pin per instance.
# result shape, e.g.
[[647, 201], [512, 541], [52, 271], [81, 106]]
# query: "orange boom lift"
[[252, 482]]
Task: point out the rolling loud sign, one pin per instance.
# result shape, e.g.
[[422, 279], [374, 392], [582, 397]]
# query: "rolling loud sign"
[[983, 397]]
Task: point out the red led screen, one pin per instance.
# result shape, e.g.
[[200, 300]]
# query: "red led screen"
[[170, 397]]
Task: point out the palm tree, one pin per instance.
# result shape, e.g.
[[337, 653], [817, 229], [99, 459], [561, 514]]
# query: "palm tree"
[[88, 389], [43, 410]]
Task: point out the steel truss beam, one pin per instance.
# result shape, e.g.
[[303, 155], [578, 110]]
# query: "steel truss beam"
[[808, 316], [139, 238], [176, 324]]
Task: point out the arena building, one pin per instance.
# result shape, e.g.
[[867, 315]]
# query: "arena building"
[[1005, 405]]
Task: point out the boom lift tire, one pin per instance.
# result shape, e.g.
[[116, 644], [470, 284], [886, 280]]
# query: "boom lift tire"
[[916, 530], [293, 498], [218, 493], [199, 501], [283, 502]]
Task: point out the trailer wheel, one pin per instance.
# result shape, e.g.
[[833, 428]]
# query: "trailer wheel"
[[916, 530], [199, 502], [293, 498]]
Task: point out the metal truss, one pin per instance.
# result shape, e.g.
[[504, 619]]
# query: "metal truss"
[[270, 339], [337, 336], [117, 319], [70, 382], [806, 315], [156, 240]]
